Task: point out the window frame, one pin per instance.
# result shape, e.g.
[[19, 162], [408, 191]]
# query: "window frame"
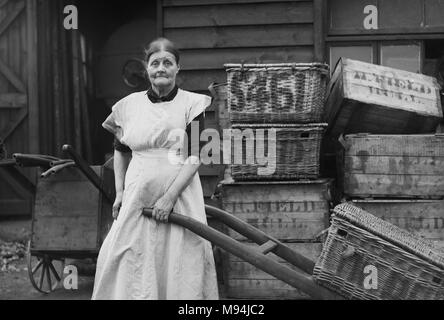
[[426, 31], [376, 45], [404, 42]]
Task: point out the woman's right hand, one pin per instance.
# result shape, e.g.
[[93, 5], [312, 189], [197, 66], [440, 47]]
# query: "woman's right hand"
[[117, 205]]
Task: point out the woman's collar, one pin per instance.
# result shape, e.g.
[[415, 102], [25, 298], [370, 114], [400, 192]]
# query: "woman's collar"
[[154, 97]]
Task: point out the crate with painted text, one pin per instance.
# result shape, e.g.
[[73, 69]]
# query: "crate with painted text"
[[295, 213], [289, 211], [392, 166], [364, 97]]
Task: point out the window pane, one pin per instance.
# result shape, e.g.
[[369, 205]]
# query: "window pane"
[[404, 57], [361, 53]]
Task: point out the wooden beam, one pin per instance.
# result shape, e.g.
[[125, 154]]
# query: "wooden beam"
[[182, 3], [12, 77], [159, 18], [19, 6], [15, 207], [319, 29], [76, 87], [434, 36], [235, 15], [205, 59], [12, 125], [13, 100], [33, 98], [268, 247], [293, 277], [242, 36], [18, 182], [84, 109], [57, 106]]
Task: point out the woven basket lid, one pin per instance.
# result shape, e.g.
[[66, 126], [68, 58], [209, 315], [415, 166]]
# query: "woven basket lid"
[[391, 233], [301, 66], [312, 126]]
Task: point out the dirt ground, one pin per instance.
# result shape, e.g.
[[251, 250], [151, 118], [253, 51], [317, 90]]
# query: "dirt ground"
[[15, 283], [17, 286]]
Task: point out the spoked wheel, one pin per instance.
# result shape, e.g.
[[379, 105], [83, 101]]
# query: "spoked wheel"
[[42, 271]]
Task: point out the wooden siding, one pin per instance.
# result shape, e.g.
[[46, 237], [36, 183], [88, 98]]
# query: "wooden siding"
[[13, 75], [62, 84], [212, 33], [18, 103]]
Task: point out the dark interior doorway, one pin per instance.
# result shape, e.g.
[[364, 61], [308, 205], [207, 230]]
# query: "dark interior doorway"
[[116, 31]]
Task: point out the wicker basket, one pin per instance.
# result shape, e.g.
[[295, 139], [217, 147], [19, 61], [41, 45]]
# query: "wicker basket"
[[408, 267], [297, 152], [276, 93]]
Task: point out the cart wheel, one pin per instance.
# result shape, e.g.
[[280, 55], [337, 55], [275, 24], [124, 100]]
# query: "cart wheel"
[[42, 272]]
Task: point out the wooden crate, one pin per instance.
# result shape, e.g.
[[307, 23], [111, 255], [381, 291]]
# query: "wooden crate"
[[424, 217], [364, 97], [293, 212], [392, 166], [70, 214], [244, 281], [288, 211]]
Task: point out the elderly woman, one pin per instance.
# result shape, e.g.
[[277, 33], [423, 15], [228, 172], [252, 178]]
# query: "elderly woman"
[[144, 258]]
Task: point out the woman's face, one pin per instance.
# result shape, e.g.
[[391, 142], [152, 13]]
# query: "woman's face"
[[162, 69]]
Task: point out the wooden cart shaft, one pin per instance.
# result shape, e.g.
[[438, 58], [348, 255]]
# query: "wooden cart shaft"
[[258, 258]]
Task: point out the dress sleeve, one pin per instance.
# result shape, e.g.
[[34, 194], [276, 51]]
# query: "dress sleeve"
[[121, 147], [114, 123], [190, 151], [198, 106]]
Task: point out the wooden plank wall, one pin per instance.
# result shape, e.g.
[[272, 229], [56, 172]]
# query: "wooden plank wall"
[[62, 91], [13, 48], [17, 125], [210, 33]]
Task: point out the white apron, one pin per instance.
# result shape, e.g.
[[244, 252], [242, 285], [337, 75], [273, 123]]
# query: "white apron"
[[141, 258]]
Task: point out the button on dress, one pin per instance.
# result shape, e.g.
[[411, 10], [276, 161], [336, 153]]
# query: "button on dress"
[[141, 258]]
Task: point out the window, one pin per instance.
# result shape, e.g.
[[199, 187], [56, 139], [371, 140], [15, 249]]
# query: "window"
[[355, 52], [400, 55], [404, 57]]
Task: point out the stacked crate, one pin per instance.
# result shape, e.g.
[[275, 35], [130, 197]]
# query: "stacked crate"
[[290, 203], [390, 159], [399, 178]]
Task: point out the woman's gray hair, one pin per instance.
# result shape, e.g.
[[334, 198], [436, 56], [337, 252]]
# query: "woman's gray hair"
[[161, 44]]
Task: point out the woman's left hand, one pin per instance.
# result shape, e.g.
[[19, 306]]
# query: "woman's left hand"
[[163, 208]]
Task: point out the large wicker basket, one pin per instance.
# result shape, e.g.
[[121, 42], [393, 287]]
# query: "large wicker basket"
[[297, 152], [404, 265], [276, 93]]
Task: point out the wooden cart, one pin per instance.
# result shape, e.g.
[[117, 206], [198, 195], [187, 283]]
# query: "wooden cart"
[[300, 277], [71, 216], [69, 221]]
